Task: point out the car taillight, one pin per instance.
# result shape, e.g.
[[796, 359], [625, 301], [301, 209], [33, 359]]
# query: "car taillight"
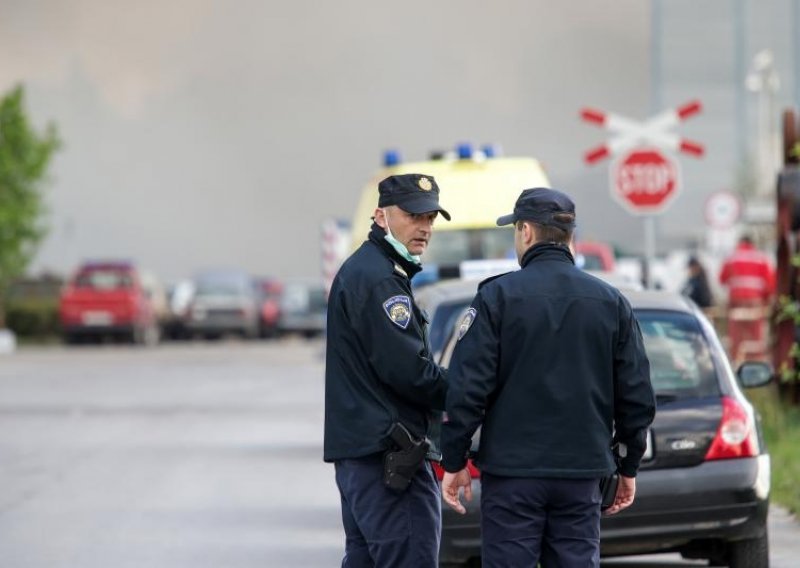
[[474, 472], [269, 311], [736, 435]]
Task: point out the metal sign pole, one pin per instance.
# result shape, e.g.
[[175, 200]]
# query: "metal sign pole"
[[649, 249]]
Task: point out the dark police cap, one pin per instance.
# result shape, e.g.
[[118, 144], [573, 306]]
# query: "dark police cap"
[[540, 205], [414, 193]]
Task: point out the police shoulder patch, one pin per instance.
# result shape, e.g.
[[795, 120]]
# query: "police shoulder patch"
[[466, 322], [398, 309]]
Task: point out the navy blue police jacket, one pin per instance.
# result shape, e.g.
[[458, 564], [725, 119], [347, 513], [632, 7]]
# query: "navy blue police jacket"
[[379, 368], [550, 361]]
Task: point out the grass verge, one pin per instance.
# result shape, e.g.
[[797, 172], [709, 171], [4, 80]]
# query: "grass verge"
[[781, 424]]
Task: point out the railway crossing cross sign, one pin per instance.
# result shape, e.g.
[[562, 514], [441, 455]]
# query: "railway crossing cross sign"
[[644, 178]]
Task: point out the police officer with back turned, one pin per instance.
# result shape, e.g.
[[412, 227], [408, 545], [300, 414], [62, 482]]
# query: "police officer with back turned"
[[550, 361], [382, 387]]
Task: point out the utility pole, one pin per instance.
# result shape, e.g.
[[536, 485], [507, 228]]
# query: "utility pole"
[[763, 80], [656, 104], [796, 50], [740, 70]]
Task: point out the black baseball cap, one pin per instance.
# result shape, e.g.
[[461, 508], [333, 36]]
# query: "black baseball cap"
[[414, 193], [540, 205]]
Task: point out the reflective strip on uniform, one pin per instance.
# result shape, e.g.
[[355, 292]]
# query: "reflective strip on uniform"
[[749, 256], [748, 282], [747, 314]]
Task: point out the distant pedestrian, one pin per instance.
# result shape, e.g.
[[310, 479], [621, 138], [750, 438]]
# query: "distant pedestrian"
[[750, 278], [697, 288]]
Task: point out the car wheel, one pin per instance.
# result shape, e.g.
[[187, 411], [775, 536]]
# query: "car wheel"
[[146, 335], [137, 335], [70, 339], [152, 335], [751, 553]]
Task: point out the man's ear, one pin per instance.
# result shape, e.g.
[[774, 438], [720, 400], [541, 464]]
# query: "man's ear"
[[380, 217], [528, 234]]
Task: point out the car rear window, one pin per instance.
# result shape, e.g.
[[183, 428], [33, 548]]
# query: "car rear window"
[[221, 287], [443, 321], [455, 246], [590, 261], [302, 298], [104, 279], [681, 365]]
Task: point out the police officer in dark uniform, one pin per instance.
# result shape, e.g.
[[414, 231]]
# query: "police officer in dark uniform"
[[551, 362], [382, 387]]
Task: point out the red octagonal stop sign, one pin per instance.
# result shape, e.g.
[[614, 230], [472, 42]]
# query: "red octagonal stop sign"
[[645, 181]]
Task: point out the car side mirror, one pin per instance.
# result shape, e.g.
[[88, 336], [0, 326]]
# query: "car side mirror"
[[752, 374]]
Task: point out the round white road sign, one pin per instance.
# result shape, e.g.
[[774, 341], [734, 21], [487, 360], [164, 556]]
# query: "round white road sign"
[[723, 209]]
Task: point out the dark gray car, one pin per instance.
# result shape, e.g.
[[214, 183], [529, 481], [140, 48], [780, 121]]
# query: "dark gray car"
[[224, 301], [703, 487], [303, 308]]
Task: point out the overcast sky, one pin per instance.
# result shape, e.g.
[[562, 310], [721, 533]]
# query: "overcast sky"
[[201, 133]]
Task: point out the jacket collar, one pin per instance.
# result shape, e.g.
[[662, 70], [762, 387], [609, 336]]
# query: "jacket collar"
[[376, 235], [547, 251]]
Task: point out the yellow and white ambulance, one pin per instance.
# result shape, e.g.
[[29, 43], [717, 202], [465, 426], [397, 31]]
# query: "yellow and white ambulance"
[[477, 187]]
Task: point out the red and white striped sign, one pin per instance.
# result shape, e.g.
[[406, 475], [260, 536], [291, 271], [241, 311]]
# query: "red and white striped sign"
[[335, 239], [653, 132]]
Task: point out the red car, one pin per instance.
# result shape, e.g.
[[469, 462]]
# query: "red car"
[[270, 311], [108, 299], [594, 256]]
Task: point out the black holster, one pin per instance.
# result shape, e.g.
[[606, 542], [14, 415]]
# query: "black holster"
[[402, 462]]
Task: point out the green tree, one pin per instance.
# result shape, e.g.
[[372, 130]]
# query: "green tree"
[[24, 158]]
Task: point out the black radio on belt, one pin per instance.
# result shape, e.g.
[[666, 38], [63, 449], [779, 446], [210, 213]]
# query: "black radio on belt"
[[400, 464], [610, 483], [608, 490]]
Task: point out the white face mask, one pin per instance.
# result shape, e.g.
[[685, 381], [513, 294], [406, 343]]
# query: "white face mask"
[[401, 249]]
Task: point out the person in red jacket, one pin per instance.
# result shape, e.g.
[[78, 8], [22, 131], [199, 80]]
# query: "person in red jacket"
[[750, 278]]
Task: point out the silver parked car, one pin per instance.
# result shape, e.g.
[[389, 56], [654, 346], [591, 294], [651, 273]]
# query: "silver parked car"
[[223, 301]]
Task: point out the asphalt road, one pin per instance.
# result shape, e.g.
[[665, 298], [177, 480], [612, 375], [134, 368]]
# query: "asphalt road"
[[185, 455]]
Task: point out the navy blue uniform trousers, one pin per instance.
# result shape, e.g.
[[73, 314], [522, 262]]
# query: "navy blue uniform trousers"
[[529, 520], [385, 528]]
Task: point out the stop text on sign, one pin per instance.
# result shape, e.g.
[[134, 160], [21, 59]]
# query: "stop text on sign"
[[645, 180]]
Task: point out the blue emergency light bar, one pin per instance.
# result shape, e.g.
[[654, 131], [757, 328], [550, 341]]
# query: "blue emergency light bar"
[[463, 151], [491, 150], [391, 158]]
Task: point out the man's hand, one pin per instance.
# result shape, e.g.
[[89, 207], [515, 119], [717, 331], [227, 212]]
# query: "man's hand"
[[450, 489], [625, 493]]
